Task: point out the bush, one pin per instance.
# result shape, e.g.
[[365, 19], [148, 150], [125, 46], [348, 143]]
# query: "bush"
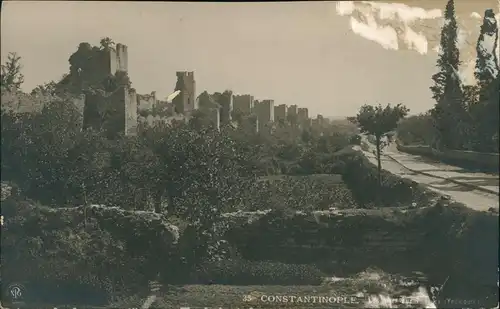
[[55, 254], [360, 175], [416, 130], [311, 192], [244, 272], [355, 140]]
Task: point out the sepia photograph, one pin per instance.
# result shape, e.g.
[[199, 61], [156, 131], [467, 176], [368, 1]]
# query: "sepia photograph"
[[244, 155]]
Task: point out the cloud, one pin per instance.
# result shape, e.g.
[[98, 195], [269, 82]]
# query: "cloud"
[[384, 35], [416, 41], [467, 72], [462, 36], [397, 14], [344, 7], [475, 15], [402, 11]]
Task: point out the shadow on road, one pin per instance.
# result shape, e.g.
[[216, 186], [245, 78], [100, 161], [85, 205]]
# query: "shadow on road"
[[461, 171], [478, 181], [446, 185]]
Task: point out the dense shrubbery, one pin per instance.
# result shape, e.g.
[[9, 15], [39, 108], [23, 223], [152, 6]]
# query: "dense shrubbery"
[[306, 193]]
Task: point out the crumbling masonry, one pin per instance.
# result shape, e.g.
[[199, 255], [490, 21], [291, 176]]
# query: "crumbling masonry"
[[185, 102], [116, 113]]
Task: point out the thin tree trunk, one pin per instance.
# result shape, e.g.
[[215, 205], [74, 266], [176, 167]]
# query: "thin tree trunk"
[[157, 204], [157, 199], [379, 164]]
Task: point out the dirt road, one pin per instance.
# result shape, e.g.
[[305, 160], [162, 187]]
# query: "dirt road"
[[478, 191]]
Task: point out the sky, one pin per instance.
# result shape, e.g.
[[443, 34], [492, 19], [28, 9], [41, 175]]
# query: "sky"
[[327, 56]]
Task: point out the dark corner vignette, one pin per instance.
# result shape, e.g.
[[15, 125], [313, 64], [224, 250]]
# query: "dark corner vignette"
[[292, 155]]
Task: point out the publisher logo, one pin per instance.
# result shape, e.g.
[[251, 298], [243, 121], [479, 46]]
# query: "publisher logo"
[[15, 292]]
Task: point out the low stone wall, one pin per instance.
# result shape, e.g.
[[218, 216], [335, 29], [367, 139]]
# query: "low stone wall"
[[349, 240], [473, 159], [443, 241]]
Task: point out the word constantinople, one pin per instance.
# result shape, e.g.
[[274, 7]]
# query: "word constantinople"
[[304, 299]]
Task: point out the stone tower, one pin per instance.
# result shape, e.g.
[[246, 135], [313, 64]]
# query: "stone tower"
[[185, 102], [115, 112]]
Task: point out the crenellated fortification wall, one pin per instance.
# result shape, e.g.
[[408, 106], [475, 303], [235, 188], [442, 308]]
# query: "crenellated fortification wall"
[[108, 62], [243, 103], [152, 120], [280, 112], [265, 112], [146, 101]]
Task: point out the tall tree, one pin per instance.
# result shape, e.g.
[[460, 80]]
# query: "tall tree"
[[449, 55], [487, 73], [379, 121], [487, 61], [107, 43], [11, 76], [449, 112]]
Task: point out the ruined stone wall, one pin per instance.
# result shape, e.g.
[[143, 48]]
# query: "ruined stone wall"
[[280, 112], [108, 62], [355, 239], [185, 102], [215, 117], [121, 55], [442, 241], [315, 123], [303, 114], [265, 113], [115, 113], [94, 111], [130, 103], [146, 101], [318, 123], [152, 120], [243, 103], [226, 103]]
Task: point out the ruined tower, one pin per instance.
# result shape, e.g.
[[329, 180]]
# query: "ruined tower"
[[280, 112], [115, 112], [185, 102], [226, 102], [265, 113], [243, 103]]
